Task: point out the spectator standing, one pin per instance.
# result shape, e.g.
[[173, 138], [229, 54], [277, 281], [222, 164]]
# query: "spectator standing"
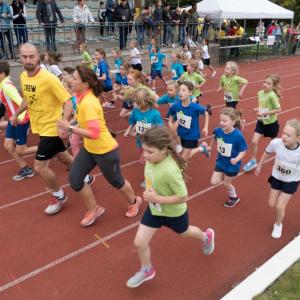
[[18, 12], [110, 14], [194, 20], [123, 16], [206, 26], [5, 30], [293, 34], [101, 17], [46, 13], [176, 17], [166, 17], [81, 17], [157, 17]]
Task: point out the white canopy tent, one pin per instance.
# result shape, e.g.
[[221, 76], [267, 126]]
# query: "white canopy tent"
[[242, 9]]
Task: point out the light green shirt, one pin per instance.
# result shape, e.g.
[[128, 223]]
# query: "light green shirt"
[[196, 79], [86, 58], [166, 179], [266, 102], [231, 86]]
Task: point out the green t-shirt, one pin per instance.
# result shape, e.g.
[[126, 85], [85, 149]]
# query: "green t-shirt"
[[231, 86], [86, 58], [195, 78], [266, 102], [166, 179]]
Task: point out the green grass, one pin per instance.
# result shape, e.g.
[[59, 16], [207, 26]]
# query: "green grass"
[[286, 287]]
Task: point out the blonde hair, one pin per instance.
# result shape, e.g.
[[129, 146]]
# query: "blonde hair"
[[234, 114], [194, 64], [276, 87], [143, 98], [173, 84], [233, 67], [294, 123], [138, 76]]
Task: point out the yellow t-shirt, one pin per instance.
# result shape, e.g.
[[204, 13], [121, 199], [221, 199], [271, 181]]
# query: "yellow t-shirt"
[[89, 109], [45, 96]]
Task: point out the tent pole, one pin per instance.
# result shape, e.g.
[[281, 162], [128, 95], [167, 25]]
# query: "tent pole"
[[244, 25]]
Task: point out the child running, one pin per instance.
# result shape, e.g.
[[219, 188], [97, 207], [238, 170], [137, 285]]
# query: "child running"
[[233, 85], [206, 57], [166, 193], [198, 56], [85, 56], [15, 136], [267, 124], [118, 60], [186, 55], [285, 176], [135, 56], [102, 73], [51, 59], [156, 60], [232, 148], [176, 66], [186, 116]]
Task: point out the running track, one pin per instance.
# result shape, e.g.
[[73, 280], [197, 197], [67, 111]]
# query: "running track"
[[44, 257]]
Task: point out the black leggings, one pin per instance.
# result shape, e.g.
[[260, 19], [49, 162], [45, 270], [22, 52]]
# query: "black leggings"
[[109, 164]]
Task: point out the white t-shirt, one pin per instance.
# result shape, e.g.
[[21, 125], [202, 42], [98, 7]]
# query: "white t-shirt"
[[205, 52], [135, 56], [54, 69], [287, 161]]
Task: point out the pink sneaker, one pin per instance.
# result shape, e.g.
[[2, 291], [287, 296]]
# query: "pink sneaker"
[[91, 216]]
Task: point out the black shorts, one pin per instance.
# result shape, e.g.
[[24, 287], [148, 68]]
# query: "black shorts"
[[49, 146], [229, 174], [206, 61], [108, 163], [232, 104], [156, 73], [137, 67], [285, 187], [2, 110], [268, 130], [128, 104], [178, 224], [189, 144]]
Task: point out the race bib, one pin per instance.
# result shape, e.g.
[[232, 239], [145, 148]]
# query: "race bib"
[[264, 110], [224, 149], [228, 97], [154, 59], [141, 127], [183, 120], [174, 73], [285, 169]]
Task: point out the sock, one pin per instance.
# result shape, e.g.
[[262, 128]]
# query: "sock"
[[231, 192], [60, 194], [86, 178], [146, 268]]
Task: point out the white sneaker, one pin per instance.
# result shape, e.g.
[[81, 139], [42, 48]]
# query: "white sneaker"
[[213, 74], [277, 230], [55, 205], [178, 148]]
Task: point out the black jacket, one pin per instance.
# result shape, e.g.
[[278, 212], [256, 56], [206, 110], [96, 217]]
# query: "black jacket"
[[123, 14], [42, 12]]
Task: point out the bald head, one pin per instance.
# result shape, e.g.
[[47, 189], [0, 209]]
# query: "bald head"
[[30, 57]]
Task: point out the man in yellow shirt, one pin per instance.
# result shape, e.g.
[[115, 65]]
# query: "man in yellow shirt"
[[46, 100]]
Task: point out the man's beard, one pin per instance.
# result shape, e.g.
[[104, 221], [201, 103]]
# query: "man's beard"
[[30, 67]]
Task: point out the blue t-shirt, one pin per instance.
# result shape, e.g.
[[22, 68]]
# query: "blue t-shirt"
[[177, 70], [118, 63], [144, 120], [166, 99], [103, 68], [188, 117], [157, 60], [229, 146], [123, 80]]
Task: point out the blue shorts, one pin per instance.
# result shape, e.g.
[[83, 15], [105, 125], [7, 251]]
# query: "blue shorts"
[[156, 73], [178, 224], [229, 174], [128, 104], [189, 144], [17, 133]]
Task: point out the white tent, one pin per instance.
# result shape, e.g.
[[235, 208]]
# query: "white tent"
[[242, 9]]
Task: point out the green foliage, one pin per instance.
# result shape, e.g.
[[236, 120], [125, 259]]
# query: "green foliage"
[[293, 5]]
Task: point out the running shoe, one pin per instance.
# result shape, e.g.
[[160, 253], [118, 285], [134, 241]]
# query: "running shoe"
[[110, 105], [133, 209], [89, 179], [143, 185], [178, 148], [25, 172], [138, 278], [277, 231], [232, 201], [213, 74], [55, 205], [91, 216], [250, 165], [209, 243], [204, 149]]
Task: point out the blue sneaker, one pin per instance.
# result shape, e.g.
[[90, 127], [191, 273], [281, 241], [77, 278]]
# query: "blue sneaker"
[[25, 172], [250, 165]]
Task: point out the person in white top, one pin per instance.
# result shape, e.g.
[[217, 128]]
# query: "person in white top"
[[81, 17], [206, 57], [286, 171], [135, 56]]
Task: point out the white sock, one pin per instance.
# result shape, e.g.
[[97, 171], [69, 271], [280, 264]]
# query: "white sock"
[[231, 192], [59, 194], [86, 178]]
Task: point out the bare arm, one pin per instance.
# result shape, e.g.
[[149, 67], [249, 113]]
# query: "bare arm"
[[264, 157]]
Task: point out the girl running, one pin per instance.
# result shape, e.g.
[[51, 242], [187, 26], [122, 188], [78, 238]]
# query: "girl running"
[[51, 59], [118, 60], [198, 56], [185, 119], [167, 195], [85, 56], [267, 110], [285, 176], [176, 66], [231, 147], [233, 85], [186, 55], [99, 147], [206, 57], [102, 73], [135, 56]]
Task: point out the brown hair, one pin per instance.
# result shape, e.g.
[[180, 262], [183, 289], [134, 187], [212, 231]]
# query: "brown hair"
[[89, 77], [138, 76], [161, 137], [4, 67], [234, 114], [101, 51], [276, 87], [54, 57], [143, 98], [188, 84]]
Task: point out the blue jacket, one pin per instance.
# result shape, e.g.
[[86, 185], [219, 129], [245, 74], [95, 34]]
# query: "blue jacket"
[[5, 22]]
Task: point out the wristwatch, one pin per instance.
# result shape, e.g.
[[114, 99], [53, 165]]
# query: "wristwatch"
[[70, 128]]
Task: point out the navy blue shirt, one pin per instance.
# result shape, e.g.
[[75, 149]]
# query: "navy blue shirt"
[[103, 68]]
